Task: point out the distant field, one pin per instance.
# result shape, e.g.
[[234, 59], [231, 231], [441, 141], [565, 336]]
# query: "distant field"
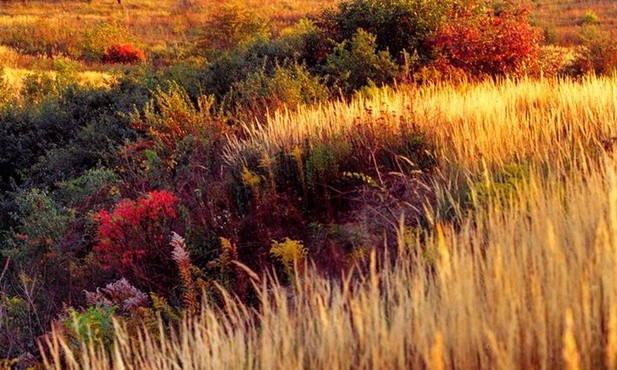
[[32, 33], [563, 17], [166, 21], [152, 23]]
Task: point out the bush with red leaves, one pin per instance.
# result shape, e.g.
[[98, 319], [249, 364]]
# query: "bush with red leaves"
[[482, 43], [132, 239], [124, 54]]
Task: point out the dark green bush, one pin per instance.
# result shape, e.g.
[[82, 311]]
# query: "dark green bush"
[[40, 227], [356, 63], [95, 186], [234, 66], [59, 135], [397, 24], [308, 43], [264, 91]]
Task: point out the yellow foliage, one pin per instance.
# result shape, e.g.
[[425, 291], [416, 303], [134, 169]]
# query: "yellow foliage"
[[289, 252], [250, 179]]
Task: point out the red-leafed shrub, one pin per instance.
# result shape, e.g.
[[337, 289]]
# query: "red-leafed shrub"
[[125, 54], [483, 43], [132, 239]]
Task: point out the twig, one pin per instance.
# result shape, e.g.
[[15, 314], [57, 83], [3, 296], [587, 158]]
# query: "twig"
[[6, 267]]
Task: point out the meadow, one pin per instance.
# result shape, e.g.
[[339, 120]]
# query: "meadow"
[[252, 185], [524, 277]]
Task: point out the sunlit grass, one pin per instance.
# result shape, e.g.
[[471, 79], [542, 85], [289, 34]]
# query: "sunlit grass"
[[525, 281], [528, 285], [472, 125], [15, 78]]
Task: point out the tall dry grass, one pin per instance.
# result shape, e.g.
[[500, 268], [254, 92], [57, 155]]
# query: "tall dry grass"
[[529, 285], [526, 283], [472, 125]]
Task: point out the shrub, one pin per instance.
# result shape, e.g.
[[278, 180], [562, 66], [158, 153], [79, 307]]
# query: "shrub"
[[550, 35], [97, 39], [59, 132], [171, 116], [124, 54], [132, 239], [556, 60], [289, 252], [41, 224], [37, 86], [598, 52], [590, 17], [356, 63], [307, 43], [397, 24], [482, 43], [94, 325], [264, 91], [234, 66], [120, 294], [232, 24], [94, 186], [17, 323]]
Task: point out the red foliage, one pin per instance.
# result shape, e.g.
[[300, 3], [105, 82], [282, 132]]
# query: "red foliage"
[[482, 43], [125, 54], [133, 238]]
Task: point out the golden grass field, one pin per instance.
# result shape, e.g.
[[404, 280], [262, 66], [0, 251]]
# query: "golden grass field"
[[522, 281]]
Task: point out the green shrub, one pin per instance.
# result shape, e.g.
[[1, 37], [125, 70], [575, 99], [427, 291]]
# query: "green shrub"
[[94, 185], [598, 52], [232, 24], [40, 225], [94, 325], [37, 86], [61, 131], [97, 39], [356, 63], [256, 62], [397, 24], [590, 18], [18, 328], [234, 66], [283, 87], [308, 43], [550, 35]]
